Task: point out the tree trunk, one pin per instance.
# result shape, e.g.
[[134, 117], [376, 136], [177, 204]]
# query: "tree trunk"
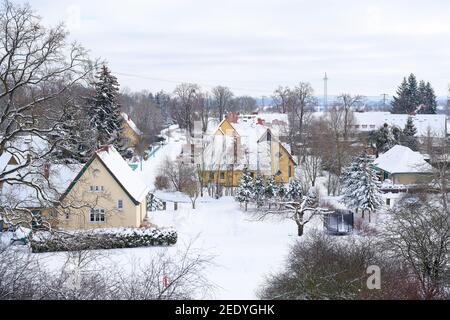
[[300, 230]]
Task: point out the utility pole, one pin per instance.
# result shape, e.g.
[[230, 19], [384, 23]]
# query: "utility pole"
[[325, 98]]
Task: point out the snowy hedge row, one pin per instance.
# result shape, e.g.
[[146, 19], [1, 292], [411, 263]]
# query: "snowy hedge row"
[[102, 239]]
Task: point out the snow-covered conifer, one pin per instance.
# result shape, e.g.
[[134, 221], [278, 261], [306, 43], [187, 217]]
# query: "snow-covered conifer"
[[105, 110], [294, 191], [361, 185], [245, 191]]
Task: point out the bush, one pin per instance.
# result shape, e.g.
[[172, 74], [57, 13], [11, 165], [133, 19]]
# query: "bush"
[[161, 183], [321, 268], [102, 239]]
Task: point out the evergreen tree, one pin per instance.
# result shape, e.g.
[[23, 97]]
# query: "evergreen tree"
[[270, 189], [245, 191], [361, 186], [259, 191], [384, 138], [413, 94], [75, 139], [400, 103], [105, 110], [281, 191], [428, 103], [422, 93], [294, 192], [414, 97], [409, 135]]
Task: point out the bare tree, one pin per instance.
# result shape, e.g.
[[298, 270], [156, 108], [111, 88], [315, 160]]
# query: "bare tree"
[[419, 235], [348, 103], [183, 177], [86, 275], [38, 69], [244, 104], [321, 268], [223, 97], [185, 97], [301, 211], [281, 98]]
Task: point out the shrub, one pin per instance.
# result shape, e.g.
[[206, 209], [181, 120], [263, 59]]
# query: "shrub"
[[161, 183], [102, 239]]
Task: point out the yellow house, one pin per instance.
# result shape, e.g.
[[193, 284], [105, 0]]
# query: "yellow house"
[[106, 193], [402, 166], [234, 146], [131, 133]]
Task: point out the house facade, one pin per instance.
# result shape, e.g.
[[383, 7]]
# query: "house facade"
[[237, 145], [402, 170], [131, 134], [114, 195], [103, 193]]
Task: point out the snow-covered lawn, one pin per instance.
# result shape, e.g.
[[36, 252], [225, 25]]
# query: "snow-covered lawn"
[[244, 250]]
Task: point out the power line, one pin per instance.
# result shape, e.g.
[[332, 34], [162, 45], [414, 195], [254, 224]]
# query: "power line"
[[180, 82]]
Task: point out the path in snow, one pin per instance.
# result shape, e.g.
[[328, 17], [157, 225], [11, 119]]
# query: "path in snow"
[[172, 149]]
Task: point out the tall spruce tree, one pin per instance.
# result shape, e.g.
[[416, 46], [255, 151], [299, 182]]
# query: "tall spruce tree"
[[105, 110], [361, 186], [427, 100], [400, 102], [414, 97]]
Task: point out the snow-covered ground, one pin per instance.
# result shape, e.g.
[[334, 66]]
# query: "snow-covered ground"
[[243, 250], [175, 140]]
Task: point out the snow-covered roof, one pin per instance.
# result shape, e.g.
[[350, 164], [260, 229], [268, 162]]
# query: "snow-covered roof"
[[254, 150], [120, 169], [369, 121], [401, 159], [131, 123], [24, 194]]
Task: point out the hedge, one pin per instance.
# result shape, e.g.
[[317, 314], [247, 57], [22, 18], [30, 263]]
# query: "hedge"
[[102, 239]]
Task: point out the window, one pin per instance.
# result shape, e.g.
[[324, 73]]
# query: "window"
[[97, 215], [388, 201], [97, 189], [356, 127], [211, 175], [120, 204], [364, 126], [290, 172], [222, 176], [372, 126]]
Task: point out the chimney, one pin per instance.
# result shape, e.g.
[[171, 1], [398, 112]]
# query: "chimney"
[[260, 122], [233, 117]]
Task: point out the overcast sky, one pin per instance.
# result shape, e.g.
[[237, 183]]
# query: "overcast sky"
[[253, 46]]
